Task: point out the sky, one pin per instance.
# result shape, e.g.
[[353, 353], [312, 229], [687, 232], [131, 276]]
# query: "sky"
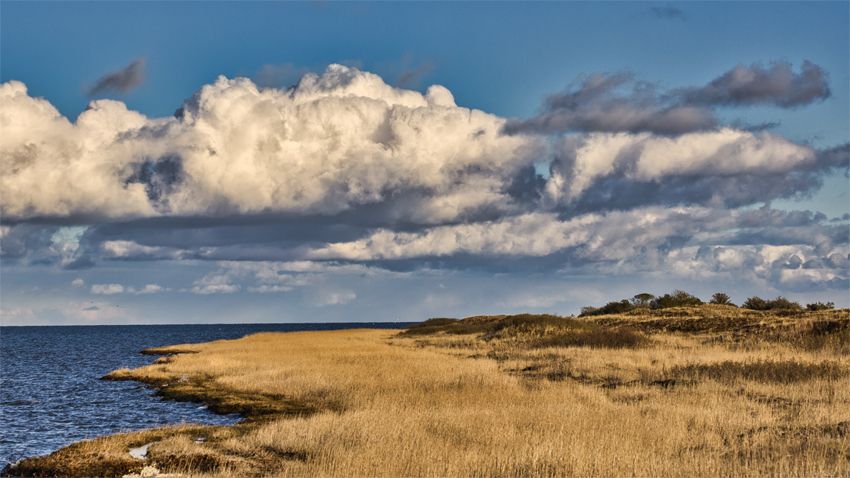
[[252, 162]]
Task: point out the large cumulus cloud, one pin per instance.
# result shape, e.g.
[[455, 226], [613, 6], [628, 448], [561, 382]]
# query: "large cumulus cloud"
[[332, 142], [343, 167]]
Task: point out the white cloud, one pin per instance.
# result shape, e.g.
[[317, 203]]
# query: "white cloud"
[[532, 300], [215, 289], [400, 176], [530, 234], [646, 157], [214, 284], [53, 167], [274, 277], [336, 141], [691, 242], [264, 289], [16, 314], [78, 282], [95, 311], [128, 249], [335, 298], [107, 289], [148, 289]]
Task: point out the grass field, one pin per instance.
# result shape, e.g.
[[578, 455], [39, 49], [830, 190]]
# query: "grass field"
[[701, 391]]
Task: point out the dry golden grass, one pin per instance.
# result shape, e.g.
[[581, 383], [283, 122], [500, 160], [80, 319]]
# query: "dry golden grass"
[[106, 456], [712, 401]]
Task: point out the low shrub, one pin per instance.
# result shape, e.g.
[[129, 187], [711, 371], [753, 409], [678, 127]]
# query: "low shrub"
[[620, 307], [755, 303], [720, 299], [642, 300], [780, 303], [816, 306], [678, 298]]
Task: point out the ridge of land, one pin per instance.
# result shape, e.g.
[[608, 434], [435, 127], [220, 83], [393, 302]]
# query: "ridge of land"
[[688, 391]]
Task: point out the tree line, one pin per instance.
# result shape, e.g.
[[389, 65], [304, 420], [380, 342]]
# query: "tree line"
[[680, 298]]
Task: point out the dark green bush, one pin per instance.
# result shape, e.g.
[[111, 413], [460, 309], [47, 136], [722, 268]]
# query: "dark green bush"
[[780, 303], [721, 299], [816, 306], [642, 300], [620, 307], [756, 303], [678, 298], [588, 311]]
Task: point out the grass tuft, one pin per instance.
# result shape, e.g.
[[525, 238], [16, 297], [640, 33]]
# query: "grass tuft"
[[617, 338], [765, 371]]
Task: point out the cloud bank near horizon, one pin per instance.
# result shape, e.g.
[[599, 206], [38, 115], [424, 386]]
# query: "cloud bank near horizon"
[[344, 167]]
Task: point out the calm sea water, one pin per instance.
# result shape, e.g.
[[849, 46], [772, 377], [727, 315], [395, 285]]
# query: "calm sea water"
[[51, 395]]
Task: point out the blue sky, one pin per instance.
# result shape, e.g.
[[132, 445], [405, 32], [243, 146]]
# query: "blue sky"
[[574, 153]]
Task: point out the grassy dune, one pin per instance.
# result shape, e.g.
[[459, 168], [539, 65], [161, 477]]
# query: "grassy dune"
[[703, 391]]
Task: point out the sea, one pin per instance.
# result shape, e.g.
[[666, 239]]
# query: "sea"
[[51, 394]]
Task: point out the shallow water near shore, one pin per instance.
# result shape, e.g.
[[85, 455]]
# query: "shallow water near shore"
[[51, 395]]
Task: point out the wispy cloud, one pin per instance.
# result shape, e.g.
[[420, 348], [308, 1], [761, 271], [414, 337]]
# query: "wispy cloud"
[[120, 81], [667, 12], [776, 85], [107, 289], [414, 74], [95, 312], [618, 102], [601, 102]]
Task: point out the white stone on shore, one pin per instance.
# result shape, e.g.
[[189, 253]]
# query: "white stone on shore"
[[151, 472], [141, 452]]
